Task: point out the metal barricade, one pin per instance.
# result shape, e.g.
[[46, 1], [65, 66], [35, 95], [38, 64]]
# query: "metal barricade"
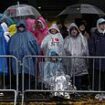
[[8, 82], [87, 69]]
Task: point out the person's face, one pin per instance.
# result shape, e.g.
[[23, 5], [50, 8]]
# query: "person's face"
[[74, 32], [39, 25], [53, 31], [102, 26], [82, 27], [59, 26], [21, 28]]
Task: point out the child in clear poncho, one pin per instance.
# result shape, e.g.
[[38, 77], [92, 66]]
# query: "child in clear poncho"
[[53, 41]]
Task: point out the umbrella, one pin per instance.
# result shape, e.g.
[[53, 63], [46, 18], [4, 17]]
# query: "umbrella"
[[21, 10], [79, 9]]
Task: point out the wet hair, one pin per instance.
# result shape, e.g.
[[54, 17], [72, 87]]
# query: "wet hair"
[[21, 25]]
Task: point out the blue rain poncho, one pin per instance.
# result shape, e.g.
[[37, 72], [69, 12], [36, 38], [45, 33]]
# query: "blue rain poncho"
[[23, 43], [3, 51]]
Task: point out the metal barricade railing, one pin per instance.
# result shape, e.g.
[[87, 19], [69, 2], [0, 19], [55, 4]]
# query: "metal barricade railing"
[[90, 68], [8, 82]]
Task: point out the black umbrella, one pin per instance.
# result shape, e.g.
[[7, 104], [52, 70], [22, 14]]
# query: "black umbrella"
[[79, 9], [88, 12]]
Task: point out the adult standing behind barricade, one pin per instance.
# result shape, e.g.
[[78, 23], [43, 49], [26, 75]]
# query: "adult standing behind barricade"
[[82, 28], [21, 44], [3, 61], [97, 48], [76, 45], [40, 29]]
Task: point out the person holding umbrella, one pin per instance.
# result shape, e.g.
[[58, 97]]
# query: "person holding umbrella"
[[23, 43]]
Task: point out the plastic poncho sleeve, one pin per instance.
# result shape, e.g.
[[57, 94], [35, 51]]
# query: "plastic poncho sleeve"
[[34, 48], [85, 51], [45, 42], [66, 46]]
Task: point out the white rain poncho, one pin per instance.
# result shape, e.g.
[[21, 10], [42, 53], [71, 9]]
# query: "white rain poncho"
[[76, 47], [53, 42]]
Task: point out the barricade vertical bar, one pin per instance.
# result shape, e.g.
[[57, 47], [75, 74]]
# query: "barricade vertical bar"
[[93, 75], [100, 70], [6, 70]]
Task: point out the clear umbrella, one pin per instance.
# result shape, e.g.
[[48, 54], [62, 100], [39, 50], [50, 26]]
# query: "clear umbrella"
[[21, 10], [79, 9]]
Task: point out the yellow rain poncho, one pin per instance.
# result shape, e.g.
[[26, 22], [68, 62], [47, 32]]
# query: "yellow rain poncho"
[[12, 29]]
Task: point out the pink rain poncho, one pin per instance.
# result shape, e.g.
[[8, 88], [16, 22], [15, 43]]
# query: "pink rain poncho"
[[40, 33]]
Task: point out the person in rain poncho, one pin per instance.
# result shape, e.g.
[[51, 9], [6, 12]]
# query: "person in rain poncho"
[[53, 41], [21, 44], [76, 45], [3, 51], [97, 48], [53, 74], [41, 29]]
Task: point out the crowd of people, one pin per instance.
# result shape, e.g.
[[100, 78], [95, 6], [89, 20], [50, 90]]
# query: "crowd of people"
[[34, 37]]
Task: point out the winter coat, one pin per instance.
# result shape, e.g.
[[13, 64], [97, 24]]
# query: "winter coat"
[[97, 48], [22, 44], [76, 47], [3, 51]]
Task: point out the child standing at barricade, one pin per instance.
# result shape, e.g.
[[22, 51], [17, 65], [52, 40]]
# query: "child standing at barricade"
[[76, 45], [54, 75]]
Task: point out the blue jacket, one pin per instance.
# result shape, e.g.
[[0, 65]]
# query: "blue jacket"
[[97, 48], [21, 44]]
